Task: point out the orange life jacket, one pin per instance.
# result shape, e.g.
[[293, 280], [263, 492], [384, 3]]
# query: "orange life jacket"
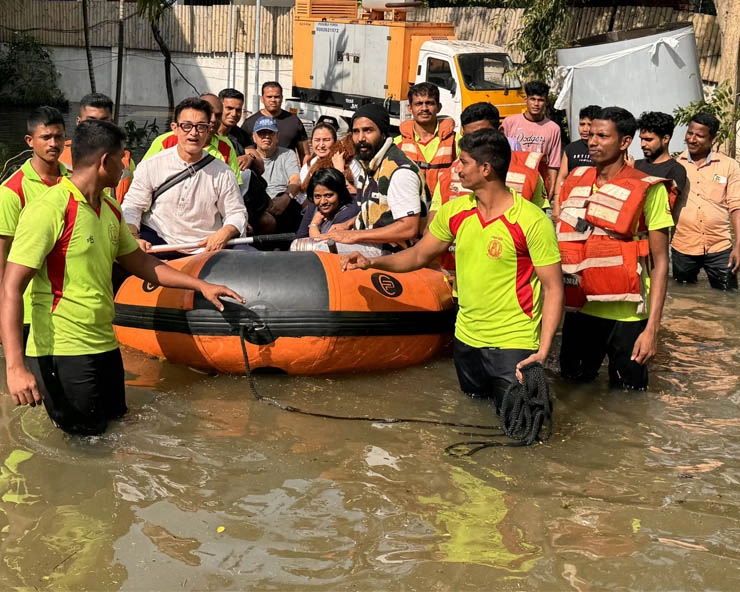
[[119, 191], [443, 158], [601, 259], [524, 172]]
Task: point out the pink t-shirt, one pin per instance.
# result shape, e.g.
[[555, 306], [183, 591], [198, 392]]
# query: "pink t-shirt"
[[536, 136]]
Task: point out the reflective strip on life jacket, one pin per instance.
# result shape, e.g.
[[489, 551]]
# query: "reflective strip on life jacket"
[[523, 173], [443, 158], [601, 261]]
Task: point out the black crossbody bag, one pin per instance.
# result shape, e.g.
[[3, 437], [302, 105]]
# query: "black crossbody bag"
[[181, 176]]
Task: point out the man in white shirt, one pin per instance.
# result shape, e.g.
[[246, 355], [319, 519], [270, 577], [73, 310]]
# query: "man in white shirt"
[[204, 206]]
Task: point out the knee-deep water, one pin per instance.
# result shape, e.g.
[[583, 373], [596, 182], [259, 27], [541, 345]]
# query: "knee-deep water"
[[201, 487]]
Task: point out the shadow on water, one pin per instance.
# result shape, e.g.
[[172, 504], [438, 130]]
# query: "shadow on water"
[[201, 487]]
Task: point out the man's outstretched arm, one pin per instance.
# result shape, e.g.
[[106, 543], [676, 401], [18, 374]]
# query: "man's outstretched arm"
[[418, 256]]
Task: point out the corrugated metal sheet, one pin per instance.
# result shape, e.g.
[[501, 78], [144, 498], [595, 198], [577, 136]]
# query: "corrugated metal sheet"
[[205, 29]]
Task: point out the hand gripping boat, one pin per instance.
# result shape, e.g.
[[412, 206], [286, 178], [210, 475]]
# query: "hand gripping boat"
[[303, 315]]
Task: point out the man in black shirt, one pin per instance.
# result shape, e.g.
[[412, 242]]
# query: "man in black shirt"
[[292, 134], [656, 130]]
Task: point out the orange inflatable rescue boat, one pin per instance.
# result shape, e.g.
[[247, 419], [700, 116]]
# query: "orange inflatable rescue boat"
[[303, 315]]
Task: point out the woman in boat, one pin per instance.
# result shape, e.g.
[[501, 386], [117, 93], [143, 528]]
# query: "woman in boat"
[[329, 203], [326, 151]]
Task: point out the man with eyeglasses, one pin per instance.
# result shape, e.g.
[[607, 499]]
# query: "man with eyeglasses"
[[204, 207], [217, 146]]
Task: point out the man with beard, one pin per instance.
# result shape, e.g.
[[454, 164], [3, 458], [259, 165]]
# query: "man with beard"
[[391, 192], [428, 141], [656, 130], [613, 236], [509, 281]]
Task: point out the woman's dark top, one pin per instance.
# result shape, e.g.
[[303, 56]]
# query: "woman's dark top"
[[344, 213]]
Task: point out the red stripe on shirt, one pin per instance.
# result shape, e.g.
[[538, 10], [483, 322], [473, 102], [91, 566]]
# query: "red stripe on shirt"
[[524, 268], [15, 184], [56, 261], [169, 141], [457, 220], [115, 210], [225, 150]]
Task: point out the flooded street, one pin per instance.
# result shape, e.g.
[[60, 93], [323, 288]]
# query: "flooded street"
[[202, 487]]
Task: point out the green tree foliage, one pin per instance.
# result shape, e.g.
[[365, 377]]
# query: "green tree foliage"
[[28, 76], [721, 104]]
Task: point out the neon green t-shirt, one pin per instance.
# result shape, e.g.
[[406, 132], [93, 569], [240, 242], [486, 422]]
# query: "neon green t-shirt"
[[500, 300], [657, 216], [73, 248], [21, 188], [219, 147]]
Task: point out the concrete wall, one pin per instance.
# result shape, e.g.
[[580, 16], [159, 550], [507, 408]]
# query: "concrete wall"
[[143, 74]]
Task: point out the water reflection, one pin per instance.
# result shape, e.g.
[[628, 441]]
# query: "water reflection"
[[203, 487]]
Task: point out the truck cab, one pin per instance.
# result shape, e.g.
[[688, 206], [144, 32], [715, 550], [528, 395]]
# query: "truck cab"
[[344, 57], [469, 73]]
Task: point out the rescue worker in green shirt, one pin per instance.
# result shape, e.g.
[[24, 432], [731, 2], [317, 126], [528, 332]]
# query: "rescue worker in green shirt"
[[45, 135], [66, 242]]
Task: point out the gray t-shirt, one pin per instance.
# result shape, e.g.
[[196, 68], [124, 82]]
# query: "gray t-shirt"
[[279, 169]]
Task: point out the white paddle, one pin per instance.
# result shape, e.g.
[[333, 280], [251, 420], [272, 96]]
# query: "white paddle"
[[249, 240]]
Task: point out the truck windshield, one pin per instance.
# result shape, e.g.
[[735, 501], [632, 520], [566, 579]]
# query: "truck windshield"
[[488, 71]]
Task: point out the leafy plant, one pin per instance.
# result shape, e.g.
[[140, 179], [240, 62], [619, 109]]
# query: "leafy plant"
[[140, 136], [28, 76], [721, 104]]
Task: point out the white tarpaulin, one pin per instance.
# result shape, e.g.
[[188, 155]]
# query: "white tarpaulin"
[[656, 72]]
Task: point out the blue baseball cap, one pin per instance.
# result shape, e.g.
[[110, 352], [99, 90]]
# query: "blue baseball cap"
[[265, 123]]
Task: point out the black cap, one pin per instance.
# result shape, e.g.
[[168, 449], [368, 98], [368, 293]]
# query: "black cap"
[[375, 113]]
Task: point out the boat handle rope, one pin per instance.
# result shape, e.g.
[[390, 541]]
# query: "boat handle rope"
[[459, 449]]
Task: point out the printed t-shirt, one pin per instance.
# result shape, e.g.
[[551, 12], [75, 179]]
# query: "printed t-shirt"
[[536, 136], [578, 155], [657, 216], [499, 291], [72, 247], [219, 147], [21, 188]]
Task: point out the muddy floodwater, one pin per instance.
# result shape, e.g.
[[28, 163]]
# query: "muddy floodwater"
[[202, 487]]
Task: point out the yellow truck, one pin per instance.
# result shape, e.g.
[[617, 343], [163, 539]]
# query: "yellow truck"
[[345, 56]]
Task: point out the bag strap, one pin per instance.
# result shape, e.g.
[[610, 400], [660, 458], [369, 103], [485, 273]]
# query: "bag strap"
[[190, 171]]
